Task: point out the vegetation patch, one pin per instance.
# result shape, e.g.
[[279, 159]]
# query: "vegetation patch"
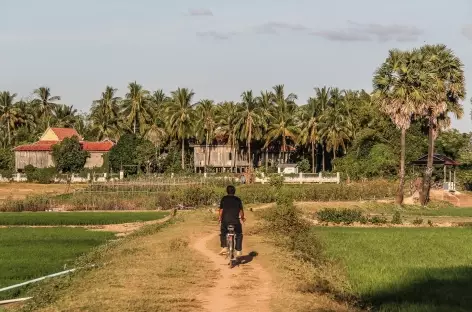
[[407, 269], [77, 218], [29, 253]]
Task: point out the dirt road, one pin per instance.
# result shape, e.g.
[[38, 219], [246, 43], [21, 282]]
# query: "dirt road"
[[245, 287]]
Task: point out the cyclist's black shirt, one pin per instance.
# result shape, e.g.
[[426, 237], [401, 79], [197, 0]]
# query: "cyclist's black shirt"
[[231, 206]]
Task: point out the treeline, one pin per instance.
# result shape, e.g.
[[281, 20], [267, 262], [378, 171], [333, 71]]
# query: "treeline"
[[360, 134]]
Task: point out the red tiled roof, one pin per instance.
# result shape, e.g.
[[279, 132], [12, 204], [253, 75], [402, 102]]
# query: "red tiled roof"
[[104, 146], [63, 133], [44, 146]]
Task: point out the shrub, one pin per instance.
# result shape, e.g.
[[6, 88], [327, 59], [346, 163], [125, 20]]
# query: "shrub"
[[346, 216], [40, 175], [430, 223], [397, 218], [378, 220], [276, 180], [418, 221]]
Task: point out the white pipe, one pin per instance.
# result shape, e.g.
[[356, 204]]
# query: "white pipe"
[[14, 300], [36, 280]]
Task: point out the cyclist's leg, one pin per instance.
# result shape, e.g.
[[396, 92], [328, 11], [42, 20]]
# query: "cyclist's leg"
[[223, 243], [238, 229]]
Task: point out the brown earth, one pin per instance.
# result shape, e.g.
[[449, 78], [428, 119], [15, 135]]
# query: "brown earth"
[[22, 190]]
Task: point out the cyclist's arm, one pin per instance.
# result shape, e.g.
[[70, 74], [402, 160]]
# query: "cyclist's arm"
[[241, 213], [220, 212]]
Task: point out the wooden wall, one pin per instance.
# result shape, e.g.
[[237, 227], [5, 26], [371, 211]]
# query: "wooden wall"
[[39, 159]]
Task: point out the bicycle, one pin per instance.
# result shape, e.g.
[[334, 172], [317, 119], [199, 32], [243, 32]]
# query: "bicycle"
[[231, 244]]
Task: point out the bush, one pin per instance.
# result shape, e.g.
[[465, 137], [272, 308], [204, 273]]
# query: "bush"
[[418, 221], [346, 216], [397, 218], [276, 180], [378, 220], [40, 175]]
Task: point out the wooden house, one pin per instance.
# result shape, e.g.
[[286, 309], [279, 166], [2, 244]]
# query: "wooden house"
[[39, 154]]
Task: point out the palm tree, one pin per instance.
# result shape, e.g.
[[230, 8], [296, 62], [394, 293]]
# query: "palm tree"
[[309, 117], [8, 112], [46, 102], [206, 115], [227, 114], [335, 129], [181, 116], [445, 90], [266, 101], [136, 107], [250, 120], [324, 100], [65, 116], [398, 90], [282, 119], [104, 114]]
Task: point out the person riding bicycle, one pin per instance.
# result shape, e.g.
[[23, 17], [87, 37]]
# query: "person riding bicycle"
[[231, 213]]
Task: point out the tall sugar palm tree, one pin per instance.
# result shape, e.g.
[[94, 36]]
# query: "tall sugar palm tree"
[[445, 91], [181, 115], [399, 92], [227, 114], [250, 120], [8, 112], [45, 102], [136, 107], [206, 124]]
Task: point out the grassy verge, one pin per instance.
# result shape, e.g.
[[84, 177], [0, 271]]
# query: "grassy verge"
[[77, 218], [405, 269], [150, 270], [30, 253]]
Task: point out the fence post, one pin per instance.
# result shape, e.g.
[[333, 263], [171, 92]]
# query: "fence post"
[[338, 178], [300, 177], [320, 176], [122, 174], [18, 177]]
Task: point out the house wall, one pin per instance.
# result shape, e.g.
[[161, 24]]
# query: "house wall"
[[95, 160], [219, 157], [39, 159]]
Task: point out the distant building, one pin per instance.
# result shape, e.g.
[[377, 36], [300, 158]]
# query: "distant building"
[[39, 154], [287, 168]]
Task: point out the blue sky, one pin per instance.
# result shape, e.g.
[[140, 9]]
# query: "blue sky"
[[218, 48]]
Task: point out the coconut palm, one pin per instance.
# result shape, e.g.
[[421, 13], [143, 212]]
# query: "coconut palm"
[[323, 96], [266, 101], [250, 120], [181, 115], [335, 129], [206, 124], [8, 112], [136, 107], [399, 92], [45, 102], [227, 115], [309, 118], [282, 119], [64, 116], [104, 115], [446, 89]]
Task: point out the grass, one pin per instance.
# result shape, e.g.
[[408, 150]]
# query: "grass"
[[28, 253], [408, 269], [77, 218], [153, 270]]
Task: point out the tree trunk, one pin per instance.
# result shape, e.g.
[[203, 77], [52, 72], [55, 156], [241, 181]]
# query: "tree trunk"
[[424, 196], [206, 153], [249, 146], [313, 164], [324, 160], [9, 135], [284, 149], [401, 186], [134, 128], [183, 154], [266, 158], [234, 153]]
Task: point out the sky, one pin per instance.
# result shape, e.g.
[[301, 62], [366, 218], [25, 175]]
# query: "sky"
[[218, 48]]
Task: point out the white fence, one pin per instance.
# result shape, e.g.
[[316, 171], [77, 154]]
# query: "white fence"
[[302, 178], [101, 177]]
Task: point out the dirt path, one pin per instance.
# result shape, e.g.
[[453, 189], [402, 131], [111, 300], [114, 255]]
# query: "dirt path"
[[245, 287]]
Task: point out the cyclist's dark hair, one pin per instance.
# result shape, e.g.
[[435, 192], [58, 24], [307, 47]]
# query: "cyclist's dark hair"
[[231, 190]]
